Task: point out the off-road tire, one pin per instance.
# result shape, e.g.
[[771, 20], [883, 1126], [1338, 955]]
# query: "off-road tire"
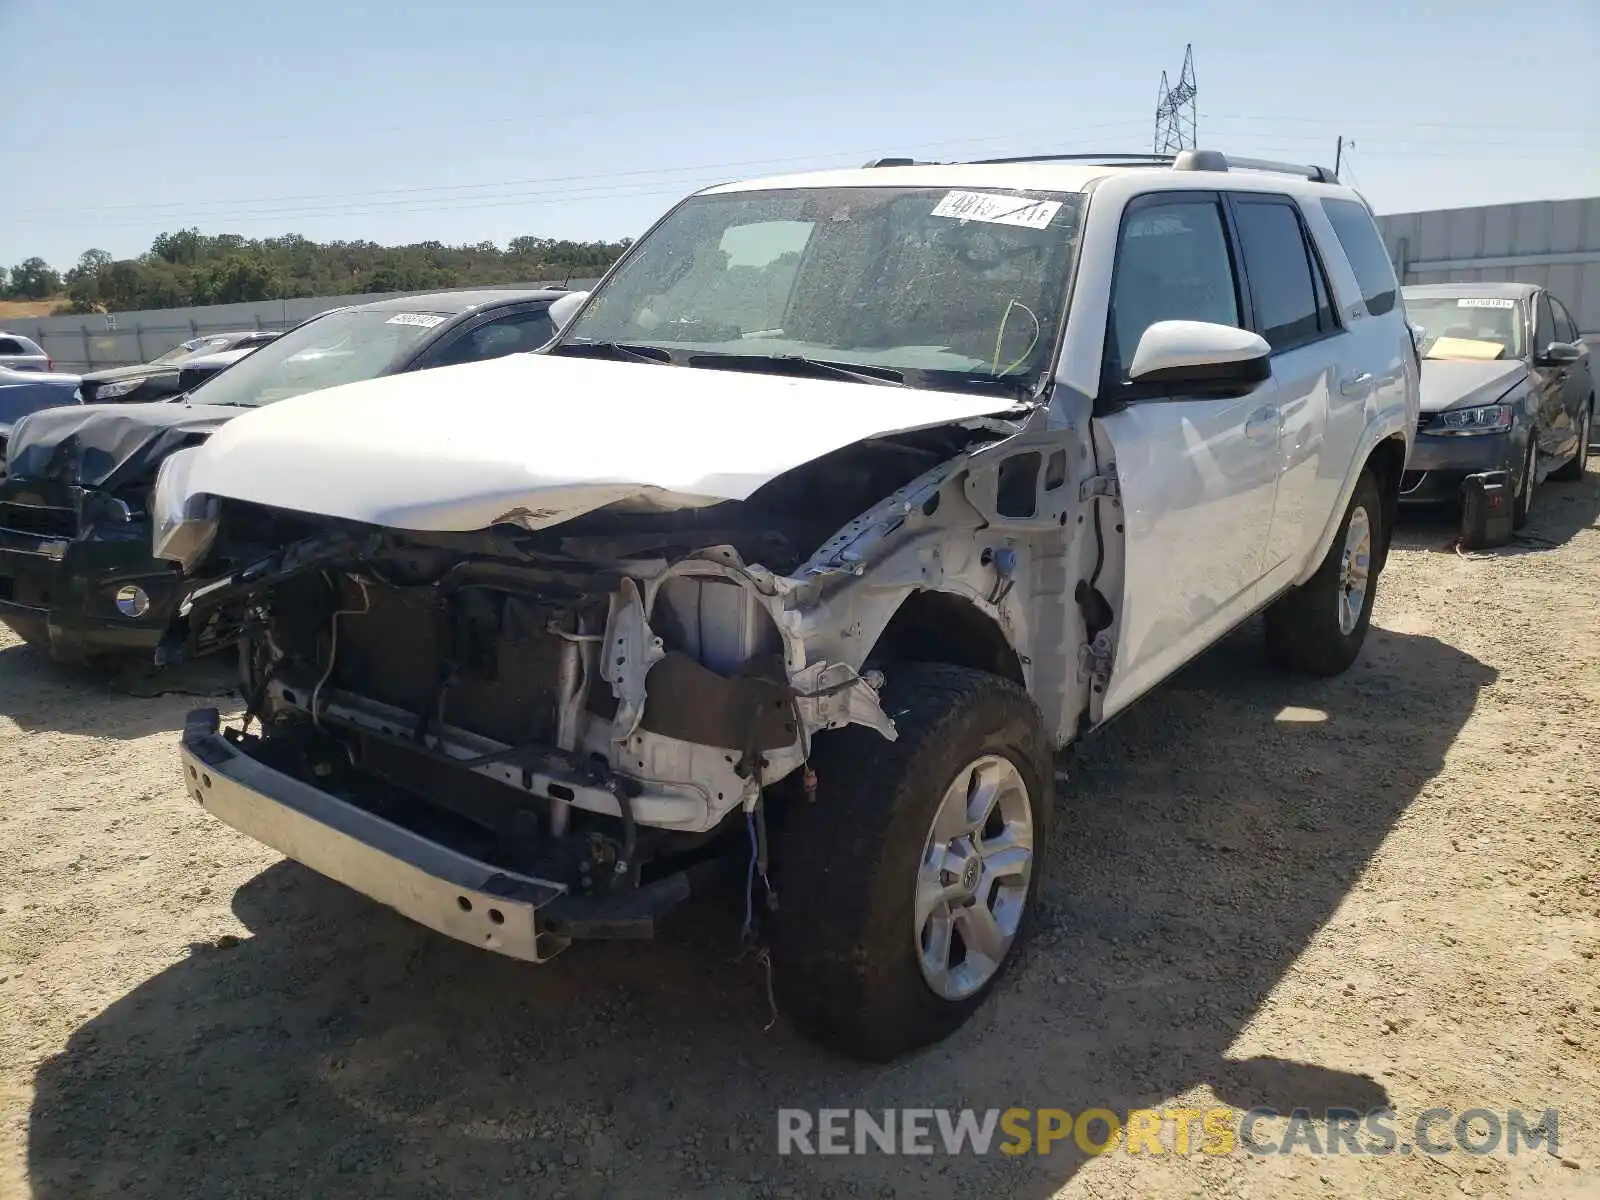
[[1302, 626], [845, 967], [1572, 472]]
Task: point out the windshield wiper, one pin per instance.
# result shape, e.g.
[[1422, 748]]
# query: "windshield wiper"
[[968, 381], [636, 353], [799, 364]]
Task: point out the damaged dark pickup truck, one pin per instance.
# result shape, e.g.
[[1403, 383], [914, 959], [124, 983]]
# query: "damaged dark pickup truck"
[[792, 559]]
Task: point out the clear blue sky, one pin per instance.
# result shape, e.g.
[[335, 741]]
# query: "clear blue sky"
[[475, 121]]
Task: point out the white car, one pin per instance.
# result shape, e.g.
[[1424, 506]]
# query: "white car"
[[844, 501]]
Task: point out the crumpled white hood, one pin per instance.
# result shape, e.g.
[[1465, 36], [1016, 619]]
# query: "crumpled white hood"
[[540, 439]]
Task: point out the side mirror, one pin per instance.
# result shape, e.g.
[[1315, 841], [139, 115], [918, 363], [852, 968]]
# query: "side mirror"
[[564, 309], [1560, 352], [1201, 356]]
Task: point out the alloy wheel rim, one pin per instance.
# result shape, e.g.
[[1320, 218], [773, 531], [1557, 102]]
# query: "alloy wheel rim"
[[1355, 570], [972, 881]]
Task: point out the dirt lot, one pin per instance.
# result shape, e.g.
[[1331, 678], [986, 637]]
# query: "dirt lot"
[[1383, 889]]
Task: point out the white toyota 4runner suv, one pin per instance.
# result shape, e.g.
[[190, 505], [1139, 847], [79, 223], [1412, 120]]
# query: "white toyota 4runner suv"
[[842, 503]]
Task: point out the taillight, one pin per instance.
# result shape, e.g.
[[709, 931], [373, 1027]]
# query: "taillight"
[[49, 363]]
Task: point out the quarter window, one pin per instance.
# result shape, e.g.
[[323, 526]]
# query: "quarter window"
[[1359, 239], [1172, 265]]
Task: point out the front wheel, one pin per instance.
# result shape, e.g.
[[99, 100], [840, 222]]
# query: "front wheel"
[[906, 889], [1522, 505], [1318, 628]]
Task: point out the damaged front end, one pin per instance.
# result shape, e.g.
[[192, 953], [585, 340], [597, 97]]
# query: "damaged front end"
[[521, 736], [76, 572]]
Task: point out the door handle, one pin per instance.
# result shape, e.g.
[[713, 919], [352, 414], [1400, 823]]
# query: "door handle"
[[1355, 385], [1262, 425]]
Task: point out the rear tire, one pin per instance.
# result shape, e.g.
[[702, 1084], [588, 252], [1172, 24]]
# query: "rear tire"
[[856, 869], [1572, 472], [1318, 628]]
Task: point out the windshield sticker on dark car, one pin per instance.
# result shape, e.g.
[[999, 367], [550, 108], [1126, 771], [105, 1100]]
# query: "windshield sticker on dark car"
[[1484, 302], [997, 210], [426, 320]]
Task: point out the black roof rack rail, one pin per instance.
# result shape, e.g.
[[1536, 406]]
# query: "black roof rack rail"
[[897, 162]]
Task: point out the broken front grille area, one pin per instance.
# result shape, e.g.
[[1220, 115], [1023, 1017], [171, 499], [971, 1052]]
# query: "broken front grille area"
[[38, 520], [477, 658]]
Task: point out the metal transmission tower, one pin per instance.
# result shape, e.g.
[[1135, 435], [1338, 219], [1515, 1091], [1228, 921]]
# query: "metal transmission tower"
[[1176, 119]]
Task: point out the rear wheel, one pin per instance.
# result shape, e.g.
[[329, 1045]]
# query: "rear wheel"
[[907, 888], [1572, 472], [1319, 627]]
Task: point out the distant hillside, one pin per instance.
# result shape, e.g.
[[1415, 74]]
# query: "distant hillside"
[[31, 308], [189, 267]]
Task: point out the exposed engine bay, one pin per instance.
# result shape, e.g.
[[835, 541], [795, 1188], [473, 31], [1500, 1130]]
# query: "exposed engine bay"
[[607, 705]]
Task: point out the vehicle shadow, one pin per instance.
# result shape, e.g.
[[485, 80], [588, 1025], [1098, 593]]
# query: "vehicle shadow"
[[129, 700], [1560, 512], [1205, 838]]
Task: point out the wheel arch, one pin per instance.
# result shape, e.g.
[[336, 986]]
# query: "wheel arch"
[[942, 627], [1387, 462], [1385, 457]]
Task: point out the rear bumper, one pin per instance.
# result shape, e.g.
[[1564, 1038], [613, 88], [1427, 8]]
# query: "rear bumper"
[[1437, 465], [449, 892]]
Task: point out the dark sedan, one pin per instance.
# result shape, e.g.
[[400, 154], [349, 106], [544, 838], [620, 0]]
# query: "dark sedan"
[[1506, 385], [76, 572], [163, 375], [24, 392]]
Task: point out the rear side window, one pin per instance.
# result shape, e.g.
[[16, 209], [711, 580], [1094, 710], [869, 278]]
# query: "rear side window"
[[12, 346], [1359, 239], [1290, 300]]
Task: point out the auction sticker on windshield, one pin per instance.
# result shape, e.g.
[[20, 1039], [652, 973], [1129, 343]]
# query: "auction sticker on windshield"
[[998, 210], [1484, 302], [426, 320]]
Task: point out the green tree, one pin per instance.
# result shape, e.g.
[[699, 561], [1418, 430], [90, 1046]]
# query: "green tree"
[[189, 267], [186, 247], [240, 276], [33, 279]]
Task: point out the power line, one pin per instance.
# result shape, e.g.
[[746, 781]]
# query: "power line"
[[650, 171], [316, 202]]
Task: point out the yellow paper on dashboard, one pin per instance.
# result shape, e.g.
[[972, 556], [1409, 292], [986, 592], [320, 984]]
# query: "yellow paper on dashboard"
[[1459, 347]]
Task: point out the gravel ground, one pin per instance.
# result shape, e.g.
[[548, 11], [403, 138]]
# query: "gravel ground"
[[1378, 890]]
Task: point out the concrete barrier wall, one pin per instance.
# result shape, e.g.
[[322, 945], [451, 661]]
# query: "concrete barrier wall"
[[1552, 243], [87, 342]]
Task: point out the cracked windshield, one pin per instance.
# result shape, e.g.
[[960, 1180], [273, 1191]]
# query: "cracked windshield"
[[939, 288]]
